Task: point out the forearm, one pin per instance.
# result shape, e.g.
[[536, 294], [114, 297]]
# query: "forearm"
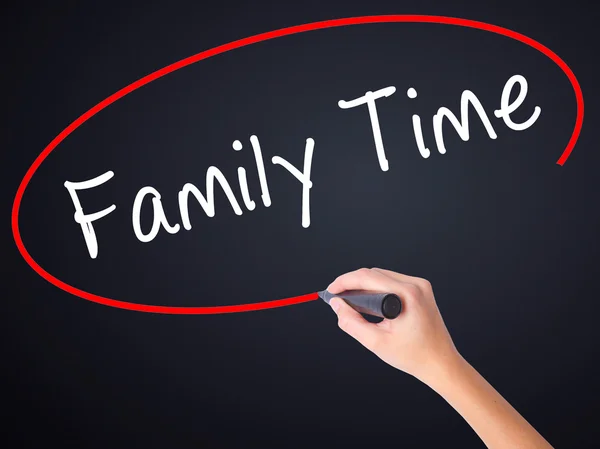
[[496, 422]]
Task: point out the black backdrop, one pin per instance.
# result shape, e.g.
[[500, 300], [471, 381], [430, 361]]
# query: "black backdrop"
[[507, 237]]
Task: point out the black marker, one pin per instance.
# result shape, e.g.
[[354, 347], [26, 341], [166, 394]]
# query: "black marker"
[[383, 305]]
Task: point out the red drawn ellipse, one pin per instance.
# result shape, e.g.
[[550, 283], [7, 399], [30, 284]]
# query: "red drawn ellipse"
[[231, 46]]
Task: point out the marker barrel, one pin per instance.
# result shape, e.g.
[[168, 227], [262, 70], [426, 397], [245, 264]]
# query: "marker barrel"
[[383, 305]]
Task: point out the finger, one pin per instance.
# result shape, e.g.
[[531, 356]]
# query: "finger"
[[362, 279], [373, 280], [397, 276], [401, 277], [351, 322]]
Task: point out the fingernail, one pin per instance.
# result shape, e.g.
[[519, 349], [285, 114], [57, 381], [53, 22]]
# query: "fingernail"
[[334, 303]]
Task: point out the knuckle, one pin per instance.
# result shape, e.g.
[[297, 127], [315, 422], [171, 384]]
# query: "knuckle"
[[413, 291], [425, 285], [361, 274], [343, 323]]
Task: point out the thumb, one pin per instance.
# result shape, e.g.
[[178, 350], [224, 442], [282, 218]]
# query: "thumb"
[[352, 322]]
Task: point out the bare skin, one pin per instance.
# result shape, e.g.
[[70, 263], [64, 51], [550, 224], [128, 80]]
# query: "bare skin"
[[418, 343]]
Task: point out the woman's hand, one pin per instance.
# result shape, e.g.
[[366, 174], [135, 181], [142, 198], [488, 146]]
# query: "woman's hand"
[[417, 341]]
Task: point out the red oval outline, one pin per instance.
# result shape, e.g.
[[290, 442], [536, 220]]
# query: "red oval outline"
[[231, 46]]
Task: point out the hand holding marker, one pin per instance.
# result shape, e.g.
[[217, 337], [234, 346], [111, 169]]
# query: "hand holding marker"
[[413, 338], [383, 305]]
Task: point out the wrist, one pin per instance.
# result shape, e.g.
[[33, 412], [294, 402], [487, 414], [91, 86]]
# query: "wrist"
[[445, 369]]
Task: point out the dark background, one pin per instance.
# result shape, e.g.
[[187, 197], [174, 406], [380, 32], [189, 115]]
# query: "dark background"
[[507, 237]]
